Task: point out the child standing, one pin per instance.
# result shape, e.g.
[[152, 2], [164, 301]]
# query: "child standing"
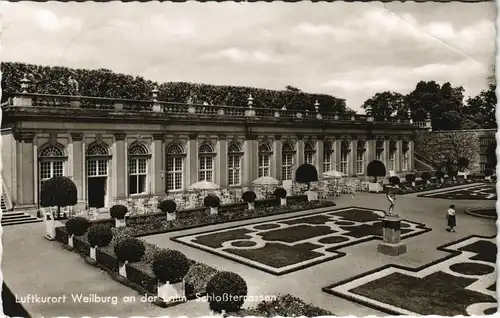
[[452, 220]]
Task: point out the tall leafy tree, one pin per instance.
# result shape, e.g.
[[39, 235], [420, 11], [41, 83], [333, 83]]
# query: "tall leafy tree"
[[481, 108], [385, 104]]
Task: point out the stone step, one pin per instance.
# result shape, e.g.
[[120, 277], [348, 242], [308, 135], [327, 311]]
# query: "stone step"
[[4, 214], [16, 217], [14, 222]]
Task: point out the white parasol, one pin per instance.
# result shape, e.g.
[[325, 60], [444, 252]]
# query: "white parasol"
[[203, 185], [266, 182], [333, 174]]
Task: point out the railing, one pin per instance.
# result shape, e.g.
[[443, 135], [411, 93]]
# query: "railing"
[[117, 105]]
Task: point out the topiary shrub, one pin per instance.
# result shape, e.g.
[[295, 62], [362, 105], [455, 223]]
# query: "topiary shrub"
[[211, 201], [167, 206], [394, 180], [198, 277], [226, 291], [426, 176], [410, 178], [129, 250], [99, 235], [58, 191], [249, 196], [280, 193], [376, 169], [170, 266], [306, 173], [118, 211], [77, 226], [439, 174]]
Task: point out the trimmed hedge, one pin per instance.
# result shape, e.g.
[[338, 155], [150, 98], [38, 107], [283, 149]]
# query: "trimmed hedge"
[[118, 211], [226, 292]]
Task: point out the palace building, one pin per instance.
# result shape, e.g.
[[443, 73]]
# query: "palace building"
[[116, 149]]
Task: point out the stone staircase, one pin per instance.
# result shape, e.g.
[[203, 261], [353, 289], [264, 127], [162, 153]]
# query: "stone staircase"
[[13, 218]]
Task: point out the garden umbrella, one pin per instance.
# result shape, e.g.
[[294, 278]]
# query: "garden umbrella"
[[266, 181], [333, 174], [203, 185]]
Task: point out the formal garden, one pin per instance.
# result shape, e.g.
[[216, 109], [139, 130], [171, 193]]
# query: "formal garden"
[[279, 247]]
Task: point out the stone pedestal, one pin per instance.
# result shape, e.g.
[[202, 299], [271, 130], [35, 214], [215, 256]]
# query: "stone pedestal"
[[392, 244]]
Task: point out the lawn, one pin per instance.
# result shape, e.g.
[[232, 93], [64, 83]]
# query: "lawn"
[[287, 245], [451, 286], [483, 192]]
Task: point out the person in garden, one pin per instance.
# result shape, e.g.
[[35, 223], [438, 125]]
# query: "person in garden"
[[452, 220]]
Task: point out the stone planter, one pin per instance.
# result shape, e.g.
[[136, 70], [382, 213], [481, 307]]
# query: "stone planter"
[[312, 195], [171, 216], [122, 269], [413, 184], [70, 241], [171, 292], [375, 187], [120, 222], [283, 201], [50, 227], [392, 244], [92, 252], [214, 210], [251, 205]]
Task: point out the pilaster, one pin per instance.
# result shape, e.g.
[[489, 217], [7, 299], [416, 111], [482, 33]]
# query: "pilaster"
[[386, 154], [337, 145], [319, 157], [221, 162], [399, 148], [192, 160], [353, 158], [25, 169], [251, 159], [277, 158], [299, 154], [78, 160], [411, 155], [158, 164], [120, 167]]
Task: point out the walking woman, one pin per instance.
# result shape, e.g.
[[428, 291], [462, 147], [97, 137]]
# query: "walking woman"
[[452, 220]]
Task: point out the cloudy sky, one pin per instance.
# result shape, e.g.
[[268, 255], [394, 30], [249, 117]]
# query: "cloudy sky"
[[349, 50]]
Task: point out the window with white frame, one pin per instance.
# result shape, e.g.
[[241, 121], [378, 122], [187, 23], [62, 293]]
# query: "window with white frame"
[[344, 156], [175, 168], [392, 155], [206, 154], [51, 161], [404, 158], [379, 150], [137, 169], [97, 162], [360, 157], [234, 165], [309, 152], [327, 157], [287, 161], [264, 160]]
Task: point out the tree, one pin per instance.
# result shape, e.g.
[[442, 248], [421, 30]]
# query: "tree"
[[481, 108], [292, 88], [385, 104], [306, 173], [376, 169], [58, 191], [443, 149], [463, 163]]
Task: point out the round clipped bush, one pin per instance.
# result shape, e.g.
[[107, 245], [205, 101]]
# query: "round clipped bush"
[[170, 266], [58, 191], [488, 172], [99, 235], [249, 196], [306, 173], [211, 201], [410, 177], [376, 169], [463, 163], [394, 180], [426, 176], [226, 292], [130, 249], [198, 276], [280, 193], [439, 174], [77, 226], [118, 211], [167, 206]]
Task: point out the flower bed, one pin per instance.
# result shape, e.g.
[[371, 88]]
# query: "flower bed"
[[420, 186], [488, 213], [140, 276], [284, 305], [156, 223]]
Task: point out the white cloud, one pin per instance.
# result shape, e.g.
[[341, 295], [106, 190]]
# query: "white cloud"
[[48, 20], [238, 55]]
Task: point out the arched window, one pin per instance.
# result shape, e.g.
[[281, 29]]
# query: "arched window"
[[287, 161], [175, 167], [206, 162], [309, 152], [265, 152], [328, 157], [51, 160], [344, 156], [404, 158], [97, 161], [360, 157], [392, 155], [137, 169], [234, 165], [379, 150]]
